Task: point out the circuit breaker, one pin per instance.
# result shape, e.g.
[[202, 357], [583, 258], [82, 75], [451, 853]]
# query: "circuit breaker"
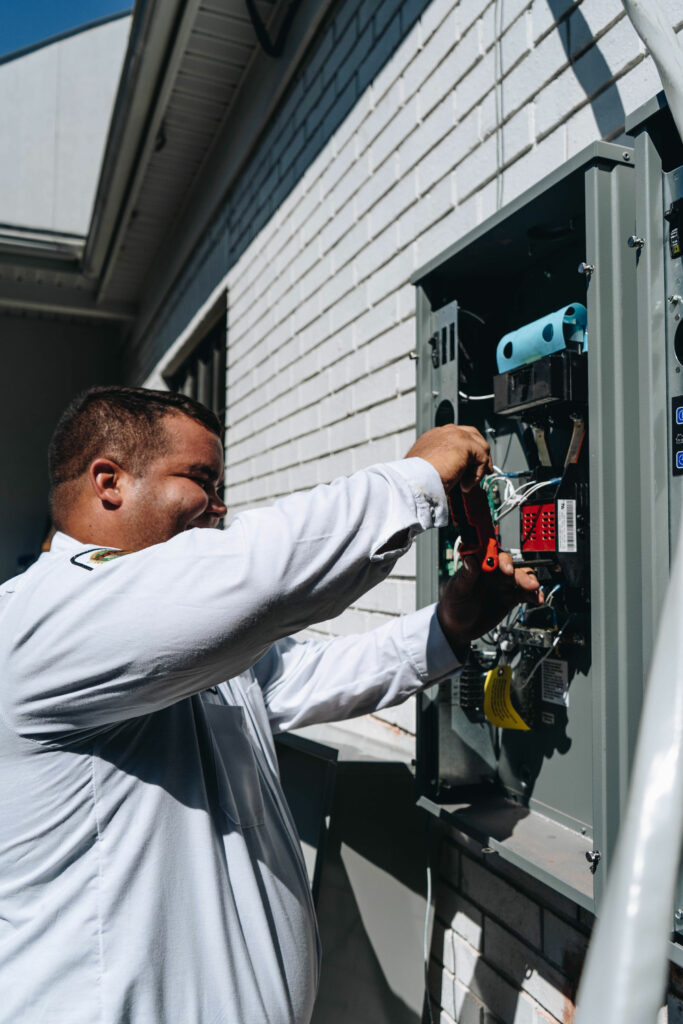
[[526, 329]]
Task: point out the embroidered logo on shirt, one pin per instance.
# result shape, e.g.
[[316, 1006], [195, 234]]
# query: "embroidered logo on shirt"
[[96, 555]]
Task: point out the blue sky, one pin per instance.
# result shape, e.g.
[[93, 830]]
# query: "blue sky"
[[25, 22]]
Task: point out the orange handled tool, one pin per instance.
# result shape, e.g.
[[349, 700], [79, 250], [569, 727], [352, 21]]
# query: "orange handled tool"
[[471, 514]]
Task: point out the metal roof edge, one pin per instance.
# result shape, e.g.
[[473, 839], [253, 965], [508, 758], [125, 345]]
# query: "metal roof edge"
[[224, 162], [153, 31]]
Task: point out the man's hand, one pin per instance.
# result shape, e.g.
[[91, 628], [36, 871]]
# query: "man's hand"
[[460, 455], [475, 601]]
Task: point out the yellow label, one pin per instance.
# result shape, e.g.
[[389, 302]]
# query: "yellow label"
[[497, 703]]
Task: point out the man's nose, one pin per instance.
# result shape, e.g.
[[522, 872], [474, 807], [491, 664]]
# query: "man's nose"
[[217, 507]]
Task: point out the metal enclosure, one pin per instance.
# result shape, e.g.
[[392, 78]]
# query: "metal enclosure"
[[549, 799], [659, 273]]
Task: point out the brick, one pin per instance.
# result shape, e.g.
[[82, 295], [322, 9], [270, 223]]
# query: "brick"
[[469, 12], [441, 949], [461, 916], [526, 968], [377, 60], [392, 204], [475, 169], [642, 80], [438, 124], [534, 165], [440, 985], [503, 901], [433, 17], [390, 276], [389, 417], [349, 308], [437, 51], [469, 1009], [515, 43], [612, 54], [540, 66], [544, 18], [439, 84], [405, 119], [486, 985], [517, 135], [563, 945]]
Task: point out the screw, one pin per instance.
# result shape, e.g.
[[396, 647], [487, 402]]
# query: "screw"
[[635, 242], [586, 268], [673, 299], [626, 155], [593, 858], [679, 914]]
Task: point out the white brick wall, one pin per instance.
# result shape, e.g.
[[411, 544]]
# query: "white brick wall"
[[321, 314]]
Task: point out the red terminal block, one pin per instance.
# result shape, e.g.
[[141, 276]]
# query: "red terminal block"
[[538, 527]]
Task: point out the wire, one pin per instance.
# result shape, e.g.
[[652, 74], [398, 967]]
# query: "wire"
[[469, 312], [475, 398], [425, 941], [522, 494]]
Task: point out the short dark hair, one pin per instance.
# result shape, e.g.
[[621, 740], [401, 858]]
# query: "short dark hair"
[[123, 423]]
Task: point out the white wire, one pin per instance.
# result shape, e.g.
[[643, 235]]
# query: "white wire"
[[425, 942], [475, 398], [521, 495]]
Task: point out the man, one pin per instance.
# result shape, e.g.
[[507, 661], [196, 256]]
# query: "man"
[[151, 872]]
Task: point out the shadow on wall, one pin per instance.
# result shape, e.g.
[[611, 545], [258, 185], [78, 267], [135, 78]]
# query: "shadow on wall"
[[592, 71], [372, 899]]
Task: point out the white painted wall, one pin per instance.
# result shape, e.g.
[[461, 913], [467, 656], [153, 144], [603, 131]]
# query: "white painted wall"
[[55, 106]]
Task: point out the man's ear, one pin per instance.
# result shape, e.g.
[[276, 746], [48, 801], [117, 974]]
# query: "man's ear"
[[105, 477]]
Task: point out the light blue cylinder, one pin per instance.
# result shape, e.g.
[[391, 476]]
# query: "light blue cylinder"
[[566, 328]]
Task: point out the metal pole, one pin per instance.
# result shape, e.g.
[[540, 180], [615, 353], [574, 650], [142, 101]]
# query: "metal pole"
[[624, 978]]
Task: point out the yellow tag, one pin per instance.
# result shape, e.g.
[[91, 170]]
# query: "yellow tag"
[[497, 703]]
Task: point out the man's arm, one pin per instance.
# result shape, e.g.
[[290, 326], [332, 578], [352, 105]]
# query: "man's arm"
[[309, 682], [87, 647]]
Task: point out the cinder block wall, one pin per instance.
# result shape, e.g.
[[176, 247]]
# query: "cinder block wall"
[[504, 946]]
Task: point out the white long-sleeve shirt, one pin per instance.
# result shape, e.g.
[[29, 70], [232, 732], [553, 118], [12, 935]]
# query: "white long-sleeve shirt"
[[150, 871]]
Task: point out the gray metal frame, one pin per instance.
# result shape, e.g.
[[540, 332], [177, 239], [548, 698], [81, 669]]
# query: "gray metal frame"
[[621, 414]]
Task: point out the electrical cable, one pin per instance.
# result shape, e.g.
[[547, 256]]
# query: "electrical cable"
[[425, 940], [475, 398]]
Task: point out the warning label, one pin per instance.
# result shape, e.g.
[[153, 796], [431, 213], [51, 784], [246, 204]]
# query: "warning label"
[[555, 682]]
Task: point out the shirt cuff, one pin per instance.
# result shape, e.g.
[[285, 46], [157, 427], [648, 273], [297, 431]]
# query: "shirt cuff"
[[425, 484], [430, 653]]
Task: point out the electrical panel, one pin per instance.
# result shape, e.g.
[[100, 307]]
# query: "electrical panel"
[[527, 330]]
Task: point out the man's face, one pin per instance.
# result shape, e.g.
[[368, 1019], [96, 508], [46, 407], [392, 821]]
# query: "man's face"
[[178, 490]]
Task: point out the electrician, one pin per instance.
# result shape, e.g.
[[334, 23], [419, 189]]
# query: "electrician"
[[150, 869]]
